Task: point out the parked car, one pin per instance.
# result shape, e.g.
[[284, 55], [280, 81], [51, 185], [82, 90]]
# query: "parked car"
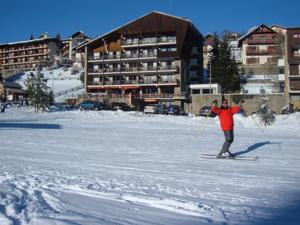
[[91, 105], [149, 109], [206, 111], [174, 110], [119, 106], [160, 109], [287, 110]]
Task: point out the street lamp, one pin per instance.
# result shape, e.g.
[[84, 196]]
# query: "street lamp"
[[210, 76]]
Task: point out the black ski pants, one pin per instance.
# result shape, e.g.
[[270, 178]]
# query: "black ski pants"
[[229, 136]]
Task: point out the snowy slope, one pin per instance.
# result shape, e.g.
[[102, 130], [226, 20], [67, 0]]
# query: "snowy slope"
[[80, 167], [59, 79]]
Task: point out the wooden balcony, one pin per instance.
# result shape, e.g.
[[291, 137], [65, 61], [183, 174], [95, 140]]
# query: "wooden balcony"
[[295, 85], [259, 52], [148, 42], [126, 70], [139, 82], [261, 42]]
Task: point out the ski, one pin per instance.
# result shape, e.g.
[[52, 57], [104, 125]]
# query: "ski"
[[212, 156]]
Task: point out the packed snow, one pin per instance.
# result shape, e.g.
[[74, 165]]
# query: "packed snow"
[[105, 167]]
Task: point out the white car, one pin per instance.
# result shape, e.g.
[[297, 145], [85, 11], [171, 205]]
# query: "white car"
[[149, 109]]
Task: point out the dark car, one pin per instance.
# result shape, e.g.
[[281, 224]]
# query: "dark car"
[[173, 110], [206, 111], [287, 110], [91, 105], [159, 109]]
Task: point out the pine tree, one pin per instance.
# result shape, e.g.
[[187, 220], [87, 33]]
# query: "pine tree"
[[265, 114], [58, 37], [224, 68], [39, 94], [31, 37]]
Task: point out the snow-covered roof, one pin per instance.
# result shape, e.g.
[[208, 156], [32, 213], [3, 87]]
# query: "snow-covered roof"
[[29, 41], [251, 30], [78, 32]]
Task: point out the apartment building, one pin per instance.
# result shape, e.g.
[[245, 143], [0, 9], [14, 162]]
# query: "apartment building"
[[207, 47], [26, 55], [262, 57], [68, 47], [233, 40], [153, 58], [293, 70]]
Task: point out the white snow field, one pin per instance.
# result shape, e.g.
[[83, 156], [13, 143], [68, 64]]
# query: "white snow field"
[[90, 168]]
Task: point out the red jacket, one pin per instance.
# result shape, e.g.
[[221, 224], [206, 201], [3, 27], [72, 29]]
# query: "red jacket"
[[226, 116]]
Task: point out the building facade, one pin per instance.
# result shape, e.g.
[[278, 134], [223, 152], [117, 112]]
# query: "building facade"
[[153, 58], [233, 41], [262, 54], [207, 47], [68, 47], [293, 64], [26, 55]]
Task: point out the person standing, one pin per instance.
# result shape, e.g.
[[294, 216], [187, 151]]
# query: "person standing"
[[225, 114]]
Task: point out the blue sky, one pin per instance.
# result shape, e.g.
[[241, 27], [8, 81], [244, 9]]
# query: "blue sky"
[[20, 18]]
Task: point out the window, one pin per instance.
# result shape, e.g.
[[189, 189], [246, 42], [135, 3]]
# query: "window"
[[207, 91], [272, 60], [263, 38], [296, 52], [96, 55], [252, 60], [296, 35], [96, 67], [195, 91]]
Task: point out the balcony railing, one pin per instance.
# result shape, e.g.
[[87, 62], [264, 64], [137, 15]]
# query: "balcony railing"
[[136, 82], [151, 41], [123, 56], [259, 52], [23, 49], [134, 69], [261, 41]]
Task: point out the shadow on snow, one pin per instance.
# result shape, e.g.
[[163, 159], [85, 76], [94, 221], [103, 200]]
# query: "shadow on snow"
[[253, 147], [12, 125]]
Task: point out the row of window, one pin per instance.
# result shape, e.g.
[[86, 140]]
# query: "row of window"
[[136, 40], [135, 52], [134, 79], [25, 48], [296, 35], [127, 65], [257, 60]]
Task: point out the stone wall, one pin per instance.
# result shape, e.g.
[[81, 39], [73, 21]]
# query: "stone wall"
[[251, 103]]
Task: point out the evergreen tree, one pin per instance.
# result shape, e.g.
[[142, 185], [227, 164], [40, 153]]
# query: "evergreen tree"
[[223, 66], [39, 94], [31, 37], [265, 114], [58, 37]]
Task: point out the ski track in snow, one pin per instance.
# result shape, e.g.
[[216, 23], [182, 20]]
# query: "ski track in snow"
[[130, 168]]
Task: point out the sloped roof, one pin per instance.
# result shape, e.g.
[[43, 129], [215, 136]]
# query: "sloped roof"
[[154, 21], [253, 30], [77, 33], [30, 41]]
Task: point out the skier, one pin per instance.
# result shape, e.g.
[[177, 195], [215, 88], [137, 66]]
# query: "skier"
[[225, 114]]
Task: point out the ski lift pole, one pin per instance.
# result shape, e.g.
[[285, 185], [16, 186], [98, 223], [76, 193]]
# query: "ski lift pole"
[[209, 101]]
